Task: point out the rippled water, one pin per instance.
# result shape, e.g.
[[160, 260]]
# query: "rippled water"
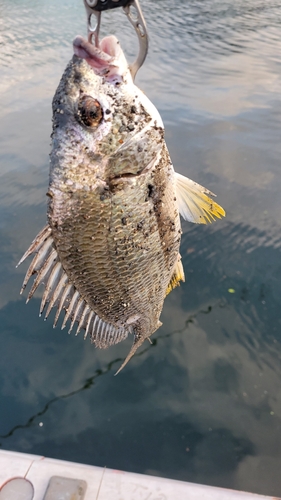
[[203, 403]]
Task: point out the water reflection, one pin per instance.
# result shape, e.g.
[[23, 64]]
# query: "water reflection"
[[113, 365], [204, 402]]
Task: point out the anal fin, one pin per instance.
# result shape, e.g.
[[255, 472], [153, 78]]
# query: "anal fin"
[[177, 276]]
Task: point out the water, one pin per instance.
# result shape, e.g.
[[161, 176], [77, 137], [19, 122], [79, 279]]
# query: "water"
[[203, 403]]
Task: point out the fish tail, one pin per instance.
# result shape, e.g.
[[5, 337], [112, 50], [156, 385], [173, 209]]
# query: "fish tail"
[[139, 340]]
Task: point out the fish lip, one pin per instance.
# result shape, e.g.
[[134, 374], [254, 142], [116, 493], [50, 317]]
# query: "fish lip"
[[107, 61], [96, 56]]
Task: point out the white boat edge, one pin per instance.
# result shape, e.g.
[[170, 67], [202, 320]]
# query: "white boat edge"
[[107, 484]]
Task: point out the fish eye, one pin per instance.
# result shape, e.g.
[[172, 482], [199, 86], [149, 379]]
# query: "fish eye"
[[89, 112]]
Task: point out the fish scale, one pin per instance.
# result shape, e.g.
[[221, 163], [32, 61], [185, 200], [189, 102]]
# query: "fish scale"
[[115, 258]]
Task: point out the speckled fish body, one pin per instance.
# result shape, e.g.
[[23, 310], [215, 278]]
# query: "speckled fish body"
[[112, 206], [110, 252]]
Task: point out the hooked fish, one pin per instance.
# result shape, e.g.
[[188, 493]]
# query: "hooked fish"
[[109, 253]]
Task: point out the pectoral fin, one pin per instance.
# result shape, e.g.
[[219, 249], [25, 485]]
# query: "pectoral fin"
[[194, 203]]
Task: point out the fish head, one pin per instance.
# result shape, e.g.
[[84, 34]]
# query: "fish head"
[[104, 126]]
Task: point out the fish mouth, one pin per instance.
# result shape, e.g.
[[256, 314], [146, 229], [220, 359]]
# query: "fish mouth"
[[103, 59]]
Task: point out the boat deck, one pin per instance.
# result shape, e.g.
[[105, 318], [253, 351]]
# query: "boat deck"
[[40, 478]]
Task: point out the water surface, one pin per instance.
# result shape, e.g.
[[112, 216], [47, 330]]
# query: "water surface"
[[202, 404]]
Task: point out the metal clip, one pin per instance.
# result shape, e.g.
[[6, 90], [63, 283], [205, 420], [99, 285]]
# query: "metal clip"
[[93, 32], [95, 7], [139, 25]]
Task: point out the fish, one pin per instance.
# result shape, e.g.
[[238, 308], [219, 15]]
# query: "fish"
[[109, 253]]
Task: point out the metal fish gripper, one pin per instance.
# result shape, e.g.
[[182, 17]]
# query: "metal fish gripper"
[[96, 7]]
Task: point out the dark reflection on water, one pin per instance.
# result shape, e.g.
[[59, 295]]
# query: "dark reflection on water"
[[203, 403]]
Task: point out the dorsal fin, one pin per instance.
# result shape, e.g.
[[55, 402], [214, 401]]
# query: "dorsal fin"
[[37, 243], [104, 334], [177, 276], [194, 203], [59, 293]]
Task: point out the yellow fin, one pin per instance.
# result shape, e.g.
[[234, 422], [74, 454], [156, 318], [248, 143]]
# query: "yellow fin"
[[177, 276], [194, 203]]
